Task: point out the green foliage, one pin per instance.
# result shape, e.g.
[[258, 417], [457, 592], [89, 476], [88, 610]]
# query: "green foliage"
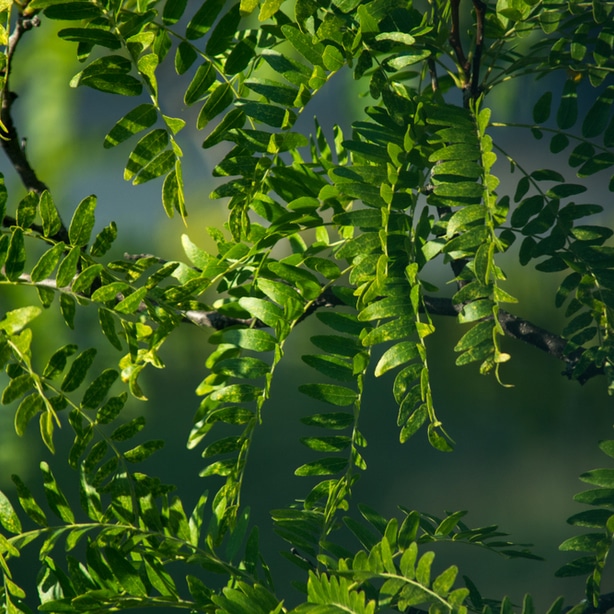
[[351, 221]]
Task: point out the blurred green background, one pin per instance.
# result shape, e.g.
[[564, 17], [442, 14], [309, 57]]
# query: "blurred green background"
[[519, 450]]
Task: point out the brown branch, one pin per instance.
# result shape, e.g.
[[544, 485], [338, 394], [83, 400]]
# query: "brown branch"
[[605, 603], [523, 330], [11, 143], [13, 146], [433, 73], [470, 68], [513, 326], [455, 40], [480, 13]]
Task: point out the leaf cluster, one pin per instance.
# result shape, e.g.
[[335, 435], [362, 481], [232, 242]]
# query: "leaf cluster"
[[353, 220]]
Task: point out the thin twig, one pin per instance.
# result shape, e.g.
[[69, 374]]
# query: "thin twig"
[[433, 73]]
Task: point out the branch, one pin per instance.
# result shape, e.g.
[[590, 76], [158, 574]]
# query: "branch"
[[605, 603], [480, 13], [523, 330], [470, 68], [13, 146], [455, 41], [513, 326]]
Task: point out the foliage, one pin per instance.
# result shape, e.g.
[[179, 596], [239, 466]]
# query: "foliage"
[[359, 217]]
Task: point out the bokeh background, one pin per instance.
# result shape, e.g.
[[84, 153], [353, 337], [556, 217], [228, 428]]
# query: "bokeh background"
[[519, 450]]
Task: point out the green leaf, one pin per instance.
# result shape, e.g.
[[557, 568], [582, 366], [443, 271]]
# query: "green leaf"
[[333, 58], [221, 97], [476, 311], [269, 114], [599, 477], [26, 209], [565, 190], [146, 150], [589, 542], [324, 466], [16, 255], [16, 388], [82, 222], [330, 393], [132, 302], [72, 11], [223, 33], [172, 192], [107, 324], [568, 110], [596, 519], [185, 56], [47, 262], [265, 311], [558, 143], [57, 362], [109, 292], [596, 119], [541, 110], [17, 319], [241, 55], [233, 119], [109, 74], [68, 309], [607, 447], [579, 567], [173, 11], [306, 283], [99, 388], [49, 214], [201, 82], [125, 573], [8, 517], [244, 367], [399, 328], [86, 278], [140, 118], [294, 71], [268, 9], [438, 439], [78, 370], [204, 18], [56, 499], [403, 60], [236, 393], [162, 164], [465, 216], [598, 496], [143, 451], [418, 417], [597, 163], [68, 267], [91, 36], [247, 338], [313, 52], [111, 409], [332, 366], [479, 333], [334, 420], [128, 430], [395, 356], [336, 443], [27, 502]]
